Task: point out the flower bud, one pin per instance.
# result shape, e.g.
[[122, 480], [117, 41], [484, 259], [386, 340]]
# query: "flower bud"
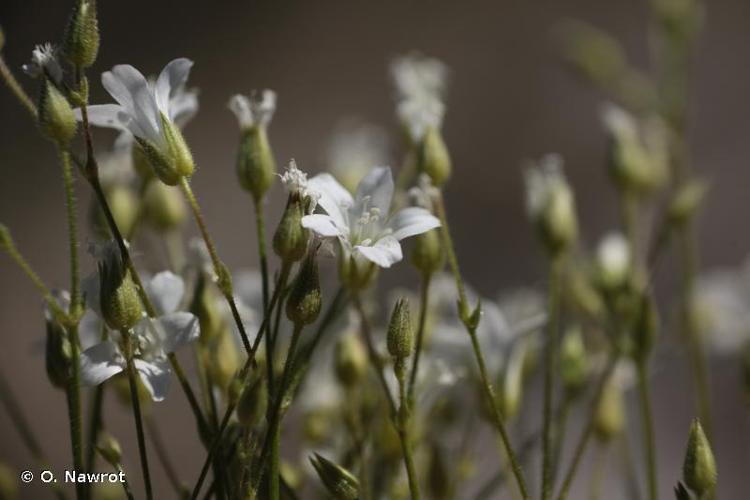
[[163, 207], [171, 162], [251, 407], [350, 360], [679, 19], [223, 359], [204, 306], [124, 206], [593, 53], [304, 302], [551, 205], [356, 274], [427, 254], [574, 362], [434, 159], [109, 448], [141, 162], [339, 482], [118, 295], [255, 163], [400, 337], [290, 239], [609, 420], [81, 39], [316, 425], [183, 159], [8, 476], [613, 262], [699, 469], [511, 389], [58, 353], [686, 201], [56, 118]]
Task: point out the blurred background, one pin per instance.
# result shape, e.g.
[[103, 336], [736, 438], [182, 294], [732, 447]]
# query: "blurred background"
[[510, 99]]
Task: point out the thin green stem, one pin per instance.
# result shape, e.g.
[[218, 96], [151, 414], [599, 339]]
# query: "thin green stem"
[[404, 415], [192, 400], [260, 230], [558, 443], [222, 273], [470, 326], [163, 456], [95, 426], [550, 354], [72, 222], [649, 445], [133, 381], [597, 475], [275, 471], [215, 445], [16, 88], [423, 308]]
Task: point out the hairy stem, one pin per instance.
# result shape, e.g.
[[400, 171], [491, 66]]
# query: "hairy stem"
[[16, 88], [404, 415], [423, 308]]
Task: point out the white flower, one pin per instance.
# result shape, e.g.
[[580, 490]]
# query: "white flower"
[[153, 338], [361, 223], [44, 62], [724, 299], [143, 105], [295, 181], [258, 109], [354, 148], [613, 259]]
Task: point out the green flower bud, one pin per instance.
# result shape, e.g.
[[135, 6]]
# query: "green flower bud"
[[434, 159], [339, 482], [172, 163], [428, 255], [400, 338], [109, 448], [574, 361], [56, 118], [350, 360], [686, 201], [290, 239], [205, 308], [699, 469], [118, 295], [679, 19], [163, 207], [316, 425], [609, 420], [593, 53], [356, 274], [81, 39], [183, 159], [223, 359], [124, 206], [8, 476], [256, 166], [58, 353], [304, 302], [160, 163], [141, 162], [251, 407]]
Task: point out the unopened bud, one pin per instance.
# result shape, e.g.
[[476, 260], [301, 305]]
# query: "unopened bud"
[[255, 162], [356, 274], [339, 482], [81, 39], [290, 239], [205, 308], [110, 448], [124, 206], [428, 255], [434, 159], [171, 163], [609, 420], [574, 362], [679, 19], [305, 298], [118, 295], [163, 207], [400, 337], [687, 200], [223, 359], [180, 152], [350, 358], [251, 406], [699, 468], [593, 53], [56, 118]]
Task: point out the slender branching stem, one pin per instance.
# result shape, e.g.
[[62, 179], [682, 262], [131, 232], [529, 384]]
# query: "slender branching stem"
[[550, 354], [489, 392], [15, 87], [95, 426], [133, 382], [649, 445], [403, 421], [423, 308], [163, 455]]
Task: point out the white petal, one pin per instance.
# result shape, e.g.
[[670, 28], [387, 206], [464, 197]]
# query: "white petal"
[[334, 198], [131, 89], [183, 106], [384, 253], [248, 286], [155, 377], [240, 106], [165, 290], [377, 186], [100, 362], [90, 291], [105, 115], [90, 330], [412, 221], [173, 76], [178, 329], [322, 225]]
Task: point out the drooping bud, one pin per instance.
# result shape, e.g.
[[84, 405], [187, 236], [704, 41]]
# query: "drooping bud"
[[118, 295], [434, 158], [290, 239], [400, 338], [428, 255], [339, 482], [251, 407], [305, 298], [350, 360], [699, 469], [110, 448], [574, 362], [163, 207], [687, 200], [56, 118], [609, 420], [613, 262], [81, 39], [551, 205], [58, 353]]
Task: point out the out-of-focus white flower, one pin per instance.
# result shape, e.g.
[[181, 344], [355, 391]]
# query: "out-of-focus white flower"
[[44, 62], [255, 110], [153, 338], [723, 299], [361, 223], [295, 181], [613, 260], [354, 148]]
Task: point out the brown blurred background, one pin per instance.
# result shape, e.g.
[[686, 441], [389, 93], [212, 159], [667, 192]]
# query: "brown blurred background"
[[510, 99]]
